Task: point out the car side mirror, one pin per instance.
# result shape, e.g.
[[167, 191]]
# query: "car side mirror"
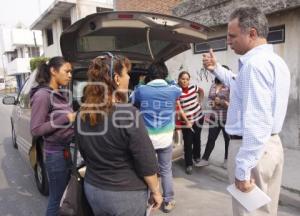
[[9, 100]]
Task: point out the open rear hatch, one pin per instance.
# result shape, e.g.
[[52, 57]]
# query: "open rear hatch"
[[140, 36]]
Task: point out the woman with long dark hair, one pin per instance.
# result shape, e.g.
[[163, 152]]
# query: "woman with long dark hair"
[[120, 158], [51, 119]]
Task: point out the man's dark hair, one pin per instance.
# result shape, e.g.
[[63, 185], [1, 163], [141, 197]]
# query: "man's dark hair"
[[251, 17], [158, 70]]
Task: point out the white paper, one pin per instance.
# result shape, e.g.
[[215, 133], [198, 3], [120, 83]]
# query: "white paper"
[[251, 200], [149, 209]]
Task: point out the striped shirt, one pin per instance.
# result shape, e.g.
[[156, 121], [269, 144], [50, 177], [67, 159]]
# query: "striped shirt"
[[190, 104]]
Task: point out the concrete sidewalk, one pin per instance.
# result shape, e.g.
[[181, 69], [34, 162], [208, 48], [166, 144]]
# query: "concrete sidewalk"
[[204, 193], [290, 192]]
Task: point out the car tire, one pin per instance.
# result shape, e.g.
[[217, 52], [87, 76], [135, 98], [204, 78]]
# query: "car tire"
[[40, 174], [13, 137]]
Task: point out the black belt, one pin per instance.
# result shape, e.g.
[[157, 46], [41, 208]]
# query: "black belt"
[[236, 137]]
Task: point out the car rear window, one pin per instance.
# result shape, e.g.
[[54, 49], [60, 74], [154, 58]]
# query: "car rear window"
[[133, 43]]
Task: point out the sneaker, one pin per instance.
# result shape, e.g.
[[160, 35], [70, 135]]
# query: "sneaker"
[[195, 161], [189, 170], [224, 165], [202, 163], [169, 206]]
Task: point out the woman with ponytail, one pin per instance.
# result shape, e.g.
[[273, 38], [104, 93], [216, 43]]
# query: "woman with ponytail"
[[120, 159], [52, 117]]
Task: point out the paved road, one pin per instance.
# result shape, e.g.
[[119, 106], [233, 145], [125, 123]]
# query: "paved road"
[[18, 193], [202, 193]]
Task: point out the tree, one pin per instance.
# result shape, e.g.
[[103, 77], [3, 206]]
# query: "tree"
[[35, 62]]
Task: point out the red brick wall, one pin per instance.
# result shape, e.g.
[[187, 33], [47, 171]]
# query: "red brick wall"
[[158, 6]]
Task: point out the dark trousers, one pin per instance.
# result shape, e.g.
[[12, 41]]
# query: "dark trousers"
[[213, 133], [58, 171], [192, 142]]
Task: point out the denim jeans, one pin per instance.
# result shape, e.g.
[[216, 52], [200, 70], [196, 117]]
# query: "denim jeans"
[[116, 203], [164, 157], [58, 172]]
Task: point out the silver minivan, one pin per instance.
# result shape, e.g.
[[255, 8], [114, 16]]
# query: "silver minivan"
[[143, 37]]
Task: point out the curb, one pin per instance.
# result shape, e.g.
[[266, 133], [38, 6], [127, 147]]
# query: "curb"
[[287, 196]]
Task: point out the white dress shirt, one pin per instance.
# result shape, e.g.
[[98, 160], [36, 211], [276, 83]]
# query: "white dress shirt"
[[258, 103]]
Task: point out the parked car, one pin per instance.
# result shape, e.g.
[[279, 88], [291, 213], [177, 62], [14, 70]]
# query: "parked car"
[[143, 37]]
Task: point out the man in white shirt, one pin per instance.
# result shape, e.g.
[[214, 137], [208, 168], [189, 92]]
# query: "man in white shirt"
[[258, 103]]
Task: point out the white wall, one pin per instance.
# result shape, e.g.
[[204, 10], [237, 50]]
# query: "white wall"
[[26, 37], [290, 51], [18, 66], [5, 40], [54, 49], [86, 7], [82, 9]]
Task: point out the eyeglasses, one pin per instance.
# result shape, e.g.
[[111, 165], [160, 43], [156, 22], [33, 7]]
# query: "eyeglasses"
[[108, 56]]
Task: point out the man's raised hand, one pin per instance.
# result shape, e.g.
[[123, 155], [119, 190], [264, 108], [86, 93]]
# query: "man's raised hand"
[[209, 61]]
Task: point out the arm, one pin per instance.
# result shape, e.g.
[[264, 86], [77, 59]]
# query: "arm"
[[143, 154], [225, 102], [141, 148], [39, 123], [224, 75], [135, 97], [182, 114], [201, 94], [211, 64], [211, 97], [155, 195], [257, 119], [77, 136]]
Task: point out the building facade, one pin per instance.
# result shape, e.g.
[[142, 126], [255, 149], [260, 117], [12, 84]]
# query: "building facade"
[[61, 14], [18, 46]]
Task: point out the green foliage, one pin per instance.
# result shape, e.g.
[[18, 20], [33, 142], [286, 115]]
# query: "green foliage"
[[35, 62]]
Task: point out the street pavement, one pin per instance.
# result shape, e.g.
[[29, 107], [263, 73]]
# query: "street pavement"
[[202, 193], [18, 193]]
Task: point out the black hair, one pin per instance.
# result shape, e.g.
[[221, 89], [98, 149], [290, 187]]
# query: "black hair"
[[217, 81], [182, 73], [225, 66], [43, 76], [157, 70]]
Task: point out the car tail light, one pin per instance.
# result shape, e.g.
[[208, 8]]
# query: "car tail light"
[[195, 26], [125, 16]]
